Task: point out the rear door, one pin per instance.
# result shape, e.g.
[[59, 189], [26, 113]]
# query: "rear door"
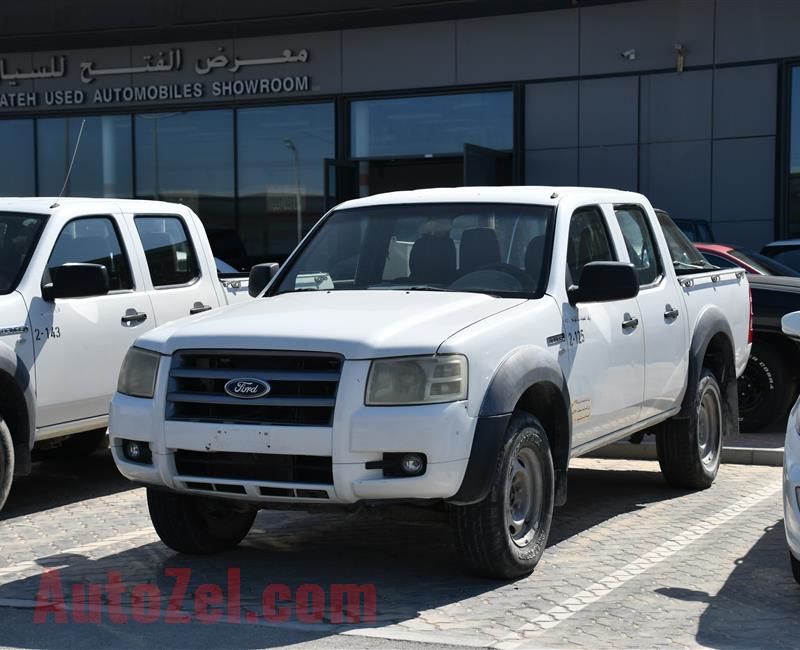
[[179, 280], [79, 343], [661, 305]]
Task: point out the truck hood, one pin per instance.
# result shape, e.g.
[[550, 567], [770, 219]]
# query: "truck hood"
[[355, 324]]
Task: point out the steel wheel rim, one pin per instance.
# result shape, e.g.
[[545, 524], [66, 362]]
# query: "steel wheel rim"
[[709, 427], [524, 501]]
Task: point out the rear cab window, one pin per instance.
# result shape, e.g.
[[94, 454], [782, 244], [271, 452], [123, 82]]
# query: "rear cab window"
[[92, 240], [170, 255], [640, 243]]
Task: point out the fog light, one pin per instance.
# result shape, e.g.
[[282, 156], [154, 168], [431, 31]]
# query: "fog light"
[[412, 464], [137, 452]]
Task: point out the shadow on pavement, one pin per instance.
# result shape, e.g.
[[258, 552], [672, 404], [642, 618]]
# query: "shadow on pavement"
[[413, 566], [757, 606], [54, 483]]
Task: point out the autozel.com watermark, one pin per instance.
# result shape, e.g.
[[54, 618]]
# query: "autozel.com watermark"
[[116, 602]]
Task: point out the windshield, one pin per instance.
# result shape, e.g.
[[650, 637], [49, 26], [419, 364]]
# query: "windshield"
[[685, 257], [762, 263], [18, 236], [497, 249]]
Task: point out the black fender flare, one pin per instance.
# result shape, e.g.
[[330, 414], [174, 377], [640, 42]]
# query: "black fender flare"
[[712, 323], [18, 397], [522, 370]]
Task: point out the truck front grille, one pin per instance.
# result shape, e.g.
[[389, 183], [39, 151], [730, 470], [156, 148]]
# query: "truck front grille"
[[302, 387]]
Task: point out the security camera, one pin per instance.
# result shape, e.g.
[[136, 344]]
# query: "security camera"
[[630, 54]]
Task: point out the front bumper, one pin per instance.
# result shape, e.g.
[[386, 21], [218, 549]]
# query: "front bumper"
[[791, 483], [358, 435]]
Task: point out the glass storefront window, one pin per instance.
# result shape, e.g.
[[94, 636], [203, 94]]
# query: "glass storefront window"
[[102, 163], [281, 160], [17, 176], [187, 157], [794, 155], [434, 125]]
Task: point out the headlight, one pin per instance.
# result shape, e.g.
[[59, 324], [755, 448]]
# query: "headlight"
[[417, 380], [138, 374]]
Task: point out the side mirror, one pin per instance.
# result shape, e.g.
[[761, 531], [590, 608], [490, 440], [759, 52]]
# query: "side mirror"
[[790, 324], [76, 280], [260, 276], [605, 281]]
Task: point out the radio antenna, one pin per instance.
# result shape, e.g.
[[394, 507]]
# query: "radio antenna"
[[71, 162]]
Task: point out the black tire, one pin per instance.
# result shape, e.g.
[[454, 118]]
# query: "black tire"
[[485, 531], [198, 525], [689, 456], [766, 388], [795, 567], [6, 462]]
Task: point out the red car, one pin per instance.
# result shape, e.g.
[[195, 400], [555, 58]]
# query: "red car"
[[752, 262]]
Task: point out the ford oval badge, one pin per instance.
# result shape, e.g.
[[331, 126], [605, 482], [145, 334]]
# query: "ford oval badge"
[[244, 388]]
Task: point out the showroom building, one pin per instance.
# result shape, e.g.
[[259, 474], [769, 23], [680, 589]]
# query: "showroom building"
[[254, 113]]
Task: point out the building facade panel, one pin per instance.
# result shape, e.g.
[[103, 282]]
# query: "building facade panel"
[[743, 180], [551, 115], [610, 166], [609, 111], [748, 30], [676, 176], [676, 106], [545, 44], [552, 167], [745, 101]]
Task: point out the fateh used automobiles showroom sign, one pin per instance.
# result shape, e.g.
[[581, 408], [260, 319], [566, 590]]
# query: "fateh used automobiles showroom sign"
[[202, 85]]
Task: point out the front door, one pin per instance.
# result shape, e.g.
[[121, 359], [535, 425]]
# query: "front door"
[[605, 364], [79, 343]]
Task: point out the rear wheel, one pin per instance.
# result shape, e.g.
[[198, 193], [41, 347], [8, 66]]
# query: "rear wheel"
[[6, 462], [198, 525], [504, 535], [765, 388], [689, 456]]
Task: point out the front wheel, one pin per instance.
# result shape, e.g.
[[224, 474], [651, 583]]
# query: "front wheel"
[[504, 535], [198, 525], [6, 462], [689, 456]]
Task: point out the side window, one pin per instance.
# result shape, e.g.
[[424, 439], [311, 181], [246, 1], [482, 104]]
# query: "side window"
[[717, 260], [588, 242], [170, 256], [640, 243], [92, 240]]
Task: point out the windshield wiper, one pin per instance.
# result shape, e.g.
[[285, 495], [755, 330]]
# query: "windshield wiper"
[[298, 290]]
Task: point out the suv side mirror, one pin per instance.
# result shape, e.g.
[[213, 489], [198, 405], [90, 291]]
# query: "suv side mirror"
[[605, 281], [260, 276], [76, 280]]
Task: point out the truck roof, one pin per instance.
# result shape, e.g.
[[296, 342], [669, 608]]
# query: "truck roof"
[[45, 204], [532, 194]]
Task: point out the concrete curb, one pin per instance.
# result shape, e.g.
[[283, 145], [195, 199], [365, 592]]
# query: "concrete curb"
[[731, 455]]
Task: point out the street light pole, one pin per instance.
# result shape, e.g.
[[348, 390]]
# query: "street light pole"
[[296, 161]]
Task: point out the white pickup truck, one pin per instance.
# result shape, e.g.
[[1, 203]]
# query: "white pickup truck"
[[451, 346], [80, 280]]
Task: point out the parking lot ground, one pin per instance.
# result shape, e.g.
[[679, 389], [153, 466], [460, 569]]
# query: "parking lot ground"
[[631, 563]]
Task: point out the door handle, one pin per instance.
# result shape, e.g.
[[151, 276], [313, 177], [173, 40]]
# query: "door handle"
[[199, 308], [670, 313], [133, 316], [630, 323]]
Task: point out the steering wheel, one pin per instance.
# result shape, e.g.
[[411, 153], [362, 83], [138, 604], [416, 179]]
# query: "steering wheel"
[[519, 275]]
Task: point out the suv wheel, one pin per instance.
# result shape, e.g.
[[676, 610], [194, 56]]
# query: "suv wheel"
[[795, 567], [504, 535], [765, 388], [198, 525], [689, 458], [6, 462]]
